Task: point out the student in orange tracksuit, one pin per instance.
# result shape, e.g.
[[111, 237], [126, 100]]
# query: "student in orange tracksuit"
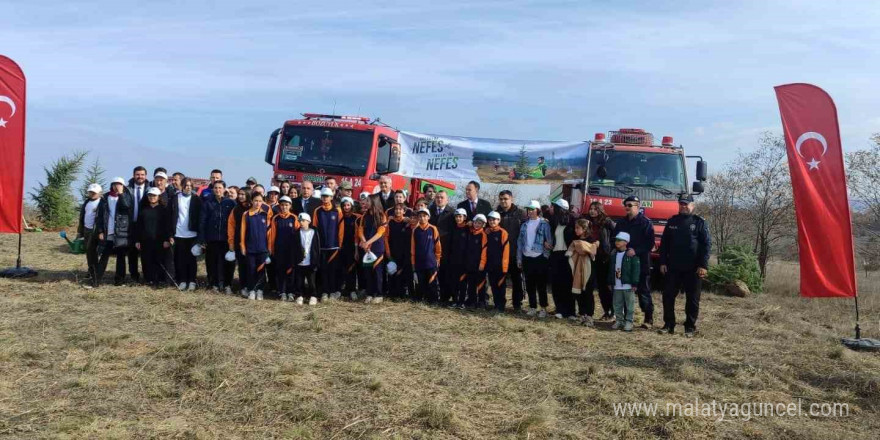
[[370, 239], [456, 254], [281, 241], [327, 222], [497, 259], [397, 250], [475, 263], [255, 244], [425, 254], [348, 254]]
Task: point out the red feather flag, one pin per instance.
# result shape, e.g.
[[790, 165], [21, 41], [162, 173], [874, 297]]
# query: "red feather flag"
[[12, 106], [815, 159]]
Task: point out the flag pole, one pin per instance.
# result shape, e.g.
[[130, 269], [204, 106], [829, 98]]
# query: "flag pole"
[[18, 271], [858, 329]]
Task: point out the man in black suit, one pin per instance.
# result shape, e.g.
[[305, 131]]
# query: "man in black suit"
[[443, 217], [473, 204], [305, 202], [137, 186], [386, 193]]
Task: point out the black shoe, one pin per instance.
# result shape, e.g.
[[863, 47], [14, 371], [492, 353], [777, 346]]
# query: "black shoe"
[[118, 282], [648, 325], [689, 333], [666, 330]]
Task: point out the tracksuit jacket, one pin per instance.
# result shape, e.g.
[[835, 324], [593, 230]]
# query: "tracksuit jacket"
[[398, 241], [497, 249], [255, 232], [475, 250], [425, 248], [215, 219], [327, 222]]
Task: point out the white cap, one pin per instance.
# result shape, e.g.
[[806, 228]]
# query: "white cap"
[[425, 210], [274, 189], [285, 199], [364, 195], [534, 204], [347, 200], [94, 188], [160, 174], [461, 211], [303, 217], [562, 203], [118, 180], [326, 192], [480, 218], [495, 215], [622, 236], [154, 191]]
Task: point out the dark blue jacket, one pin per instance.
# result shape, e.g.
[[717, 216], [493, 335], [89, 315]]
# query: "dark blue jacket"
[[641, 237], [686, 243], [214, 219]]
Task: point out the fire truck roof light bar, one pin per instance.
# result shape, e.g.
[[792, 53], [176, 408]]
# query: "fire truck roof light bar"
[[362, 119]]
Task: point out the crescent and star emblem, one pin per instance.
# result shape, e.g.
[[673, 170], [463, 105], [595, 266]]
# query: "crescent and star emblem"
[[7, 100], [813, 163]]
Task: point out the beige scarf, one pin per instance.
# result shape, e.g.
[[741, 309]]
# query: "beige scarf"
[[579, 254]]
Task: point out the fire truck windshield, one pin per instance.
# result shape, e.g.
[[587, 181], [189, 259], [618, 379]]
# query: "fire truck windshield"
[[336, 151], [649, 173]]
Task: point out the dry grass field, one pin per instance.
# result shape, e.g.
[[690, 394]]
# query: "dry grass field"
[[129, 362]]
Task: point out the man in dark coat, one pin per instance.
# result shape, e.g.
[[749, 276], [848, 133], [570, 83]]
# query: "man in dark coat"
[[641, 232], [443, 217], [512, 218]]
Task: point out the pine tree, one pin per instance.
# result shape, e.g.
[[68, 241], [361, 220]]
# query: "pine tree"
[[94, 174], [55, 201], [522, 163]]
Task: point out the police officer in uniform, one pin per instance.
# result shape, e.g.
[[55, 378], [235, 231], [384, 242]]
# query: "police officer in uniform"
[[684, 258]]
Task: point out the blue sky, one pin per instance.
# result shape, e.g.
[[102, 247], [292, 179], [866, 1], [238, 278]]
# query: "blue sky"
[[157, 83]]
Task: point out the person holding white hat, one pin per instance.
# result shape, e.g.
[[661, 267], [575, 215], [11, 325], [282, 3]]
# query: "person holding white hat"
[[456, 254], [88, 213], [475, 264], [185, 212], [348, 250], [307, 259], [214, 234], [532, 257], [623, 277], [425, 257], [497, 260], [114, 228], [562, 226], [285, 226], [152, 234], [371, 233], [326, 220], [255, 224]]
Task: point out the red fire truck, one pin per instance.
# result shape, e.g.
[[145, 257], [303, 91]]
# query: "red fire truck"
[[631, 164], [349, 148]]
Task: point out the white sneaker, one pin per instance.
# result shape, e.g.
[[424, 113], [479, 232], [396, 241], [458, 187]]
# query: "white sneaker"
[[628, 327], [228, 290], [336, 295], [574, 318], [215, 289], [252, 295], [260, 292], [283, 297], [368, 300], [244, 292], [588, 321], [353, 296], [542, 314], [325, 297], [181, 287], [192, 287], [377, 300], [558, 316], [532, 312], [299, 300], [313, 301], [259, 295]]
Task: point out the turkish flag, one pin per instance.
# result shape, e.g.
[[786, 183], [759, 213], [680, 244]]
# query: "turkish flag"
[[815, 158], [12, 105]]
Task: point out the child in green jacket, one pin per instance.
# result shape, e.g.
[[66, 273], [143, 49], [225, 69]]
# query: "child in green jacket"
[[623, 278]]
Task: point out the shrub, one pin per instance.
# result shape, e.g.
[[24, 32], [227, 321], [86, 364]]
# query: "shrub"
[[736, 263], [54, 199]]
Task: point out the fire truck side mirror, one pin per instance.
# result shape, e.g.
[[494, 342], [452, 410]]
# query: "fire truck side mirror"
[[270, 148], [702, 170]]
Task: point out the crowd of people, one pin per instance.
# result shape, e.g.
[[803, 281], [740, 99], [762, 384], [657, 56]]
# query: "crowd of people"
[[308, 246]]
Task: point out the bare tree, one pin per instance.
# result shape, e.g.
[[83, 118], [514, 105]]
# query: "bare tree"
[[864, 175], [721, 206], [767, 195]]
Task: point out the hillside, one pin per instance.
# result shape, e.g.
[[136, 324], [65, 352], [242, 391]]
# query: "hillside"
[[136, 363]]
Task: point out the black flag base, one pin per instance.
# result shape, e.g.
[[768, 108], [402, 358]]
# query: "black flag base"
[[18, 272], [861, 344]]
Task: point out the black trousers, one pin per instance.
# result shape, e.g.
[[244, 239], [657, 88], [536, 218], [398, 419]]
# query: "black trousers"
[[456, 281], [305, 281], [561, 281], [692, 284], [90, 239], [585, 301], [643, 291], [349, 267], [285, 279], [329, 271], [184, 261], [401, 281], [361, 273], [429, 285], [215, 264], [256, 264], [104, 258], [516, 283], [151, 253], [498, 283], [600, 274], [476, 289], [133, 257], [535, 272], [228, 269], [375, 277]]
